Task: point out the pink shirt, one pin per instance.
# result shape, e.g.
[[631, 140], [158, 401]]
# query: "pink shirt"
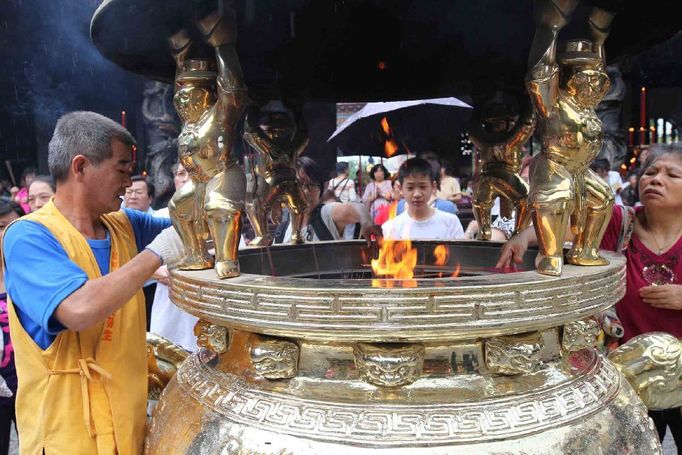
[[22, 198], [636, 316]]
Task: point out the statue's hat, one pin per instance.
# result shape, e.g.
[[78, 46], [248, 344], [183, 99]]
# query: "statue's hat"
[[194, 69], [577, 52]]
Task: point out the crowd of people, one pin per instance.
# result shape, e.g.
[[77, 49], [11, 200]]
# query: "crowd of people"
[[79, 254]]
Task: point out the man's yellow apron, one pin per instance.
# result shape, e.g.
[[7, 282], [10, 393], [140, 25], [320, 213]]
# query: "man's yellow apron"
[[86, 393]]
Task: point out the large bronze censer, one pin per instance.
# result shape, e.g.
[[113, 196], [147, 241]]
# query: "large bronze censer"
[[320, 361], [303, 349]]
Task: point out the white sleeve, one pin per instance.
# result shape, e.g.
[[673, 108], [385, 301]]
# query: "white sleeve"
[[457, 230], [172, 244], [387, 229]]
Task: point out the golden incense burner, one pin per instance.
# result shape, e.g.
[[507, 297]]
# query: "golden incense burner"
[[318, 360]]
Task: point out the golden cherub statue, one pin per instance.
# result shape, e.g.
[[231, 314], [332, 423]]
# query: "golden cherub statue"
[[499, 133], [209, 103], [565, 90], [278, 138]]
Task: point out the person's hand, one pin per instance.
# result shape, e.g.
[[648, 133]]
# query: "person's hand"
[[167, 246], [512, 252], [668, 296], [371, 232], [14, 190], [161, 275]]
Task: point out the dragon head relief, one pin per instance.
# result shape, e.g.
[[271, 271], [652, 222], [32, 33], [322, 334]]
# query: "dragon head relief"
[[275, 359], [514, 354], [389, 365]]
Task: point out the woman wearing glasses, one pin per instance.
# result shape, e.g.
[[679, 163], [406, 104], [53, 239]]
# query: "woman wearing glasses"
[[653, 297], [323, 221]]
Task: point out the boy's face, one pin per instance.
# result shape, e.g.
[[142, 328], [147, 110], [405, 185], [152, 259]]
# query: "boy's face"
[[417, 190]]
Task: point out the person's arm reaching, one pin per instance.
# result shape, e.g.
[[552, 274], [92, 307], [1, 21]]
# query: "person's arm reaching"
[[513, 250], [99, 298], [351, 213]]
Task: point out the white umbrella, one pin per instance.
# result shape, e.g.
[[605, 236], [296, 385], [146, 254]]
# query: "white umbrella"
[[371, 109]]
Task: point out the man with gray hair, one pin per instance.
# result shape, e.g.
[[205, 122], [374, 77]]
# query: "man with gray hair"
[[77, 313]]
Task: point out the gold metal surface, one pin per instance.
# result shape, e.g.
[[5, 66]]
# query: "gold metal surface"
[[163, 359], [515, 354], [652, 363], [585, 408], [389, 365], [579, 335], [212, 337], [458, 308], [275, 359], [210, 103], [500, 144], [278, 141], [565, 90], [334, 365]]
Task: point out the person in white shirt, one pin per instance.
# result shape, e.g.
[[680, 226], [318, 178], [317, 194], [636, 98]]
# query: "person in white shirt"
[[420, 221], [342, 186]]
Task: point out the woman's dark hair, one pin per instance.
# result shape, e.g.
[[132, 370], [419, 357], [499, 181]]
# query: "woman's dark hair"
[[10, 206], [46, 179], [376, 167], [312, 170], [658, 151], [27, 171], [341, 167]]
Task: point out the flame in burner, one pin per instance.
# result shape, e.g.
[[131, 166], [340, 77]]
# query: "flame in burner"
[[458, 269], [441, 253], [397, 259], [390, 146]]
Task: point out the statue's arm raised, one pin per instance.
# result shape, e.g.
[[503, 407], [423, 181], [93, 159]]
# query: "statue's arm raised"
[[180, 44], [253, 134], [301, 139], [479, 137], [599, 22], [542, 79], [525, 126], [219, 29]]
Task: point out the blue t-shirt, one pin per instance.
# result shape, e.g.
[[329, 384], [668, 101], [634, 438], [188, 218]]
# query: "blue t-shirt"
[[440, 204], [40, 275]]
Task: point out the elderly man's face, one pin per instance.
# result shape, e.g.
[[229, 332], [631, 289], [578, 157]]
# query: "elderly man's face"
[[137, 196], [108, 180]]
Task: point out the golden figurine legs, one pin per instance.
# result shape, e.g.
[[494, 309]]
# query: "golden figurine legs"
[[257, 212], [600, 200], [484, 198], [513, 192], [184, 208], [523, 215], [223, 207], [483, 218], [295, 199], [551, 222]]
